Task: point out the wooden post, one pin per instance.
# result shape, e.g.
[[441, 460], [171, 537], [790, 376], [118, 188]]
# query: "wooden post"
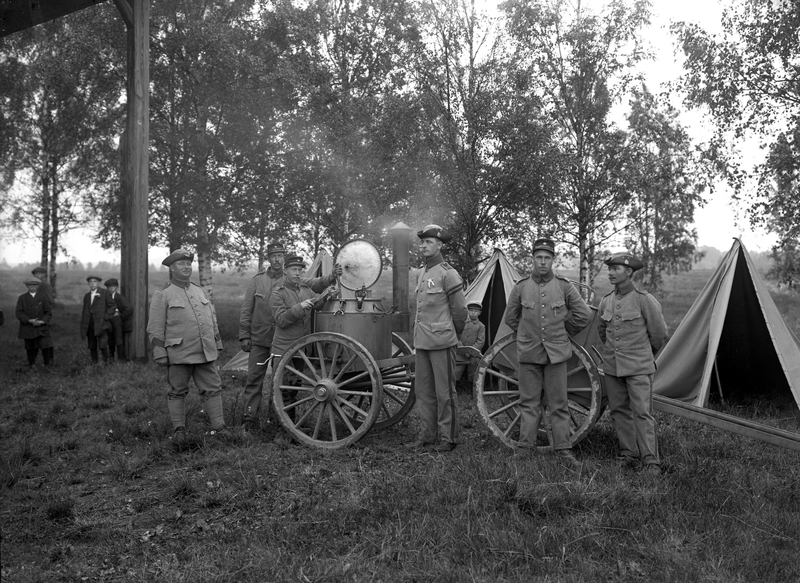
[[135, 164]]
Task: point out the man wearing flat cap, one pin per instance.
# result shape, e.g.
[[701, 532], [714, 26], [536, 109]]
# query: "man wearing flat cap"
[[632, 330], [441, 316], [473, 335], [544, 310], [34, 314], [98, 310], [121, 324], [257, 325], [183, 330], [45, 289]]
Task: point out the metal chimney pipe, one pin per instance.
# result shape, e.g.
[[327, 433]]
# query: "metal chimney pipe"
[[400, 274]]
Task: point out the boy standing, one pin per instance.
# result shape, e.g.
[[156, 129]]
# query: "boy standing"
[[632, 330]]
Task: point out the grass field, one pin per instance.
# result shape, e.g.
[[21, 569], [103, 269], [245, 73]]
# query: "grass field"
[[92, 490]]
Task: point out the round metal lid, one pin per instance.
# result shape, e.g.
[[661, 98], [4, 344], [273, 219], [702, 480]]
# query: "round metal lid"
[[361, 264]]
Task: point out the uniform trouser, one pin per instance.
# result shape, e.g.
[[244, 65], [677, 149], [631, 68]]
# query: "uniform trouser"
[[208, 383], [435, 388], [550, 379], [255, 380], [631, 402]]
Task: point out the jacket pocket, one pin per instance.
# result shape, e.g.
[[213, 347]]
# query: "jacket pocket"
[[628, 315], [172, 342], [176, 304], [441, 327], [607, 316]]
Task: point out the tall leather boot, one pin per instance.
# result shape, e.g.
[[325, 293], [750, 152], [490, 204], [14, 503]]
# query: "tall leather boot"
[[177, 412], [215, 414]]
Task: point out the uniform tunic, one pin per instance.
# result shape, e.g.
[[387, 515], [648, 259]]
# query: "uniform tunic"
[[291, 320], [183, 325], [440, 318], [632, 329], [544, 312]]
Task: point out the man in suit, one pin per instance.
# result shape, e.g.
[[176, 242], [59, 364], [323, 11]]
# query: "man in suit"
[[45, 289], [98, 310], [34, 313], [182, 327], [121, 323]]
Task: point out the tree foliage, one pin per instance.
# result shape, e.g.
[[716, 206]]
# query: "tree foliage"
[[748, 79]]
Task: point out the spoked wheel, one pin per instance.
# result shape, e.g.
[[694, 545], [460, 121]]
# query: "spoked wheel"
[[328, 390], [497, 392], [398, 386]]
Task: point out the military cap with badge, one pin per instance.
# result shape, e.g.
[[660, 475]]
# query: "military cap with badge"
[[626, 260], [178, 255], [436, 232]]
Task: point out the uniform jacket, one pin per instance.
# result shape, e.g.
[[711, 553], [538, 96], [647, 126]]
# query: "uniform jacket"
[[125, 310], [545, 312], [33, 307], [441, 306], [292, 322], [99, 312], [632, 329], [256, 322], [183, 325], [474, 334]]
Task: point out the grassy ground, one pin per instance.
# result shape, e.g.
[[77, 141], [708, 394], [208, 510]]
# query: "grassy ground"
[[92, 490]]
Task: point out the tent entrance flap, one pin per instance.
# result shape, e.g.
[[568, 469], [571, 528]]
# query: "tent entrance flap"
[[747, 362]]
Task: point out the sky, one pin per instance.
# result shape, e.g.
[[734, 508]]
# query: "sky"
[[717, 222]]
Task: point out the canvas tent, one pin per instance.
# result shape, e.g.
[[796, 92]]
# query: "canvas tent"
[[322, 265], [492, 288], [733, 337]]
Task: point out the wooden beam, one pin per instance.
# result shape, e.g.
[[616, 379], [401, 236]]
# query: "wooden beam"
[[135, 166], [730, 423], [125, 11], [17, 15]]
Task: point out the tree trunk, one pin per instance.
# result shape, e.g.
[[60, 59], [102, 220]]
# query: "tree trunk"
[[45, 217], [204, 257], [585, 275], [55, 228]]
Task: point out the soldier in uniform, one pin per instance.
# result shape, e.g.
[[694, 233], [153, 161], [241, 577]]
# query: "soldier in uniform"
[[474, 335], [34, 314], [292, 302], [183, 329], [257, 325], [98, 310], [121, 323], [45, 289], [544, 310], [440, 318], [632, 330]]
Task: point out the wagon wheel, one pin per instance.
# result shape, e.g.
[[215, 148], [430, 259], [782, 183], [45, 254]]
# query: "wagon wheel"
[[327, 390], [497, 392]]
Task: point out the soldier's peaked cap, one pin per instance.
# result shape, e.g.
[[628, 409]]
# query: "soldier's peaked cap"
[[32, 281], [276, 247], [436, 232], [178, 255], [294, 261], [544, 245], [626, 260]]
